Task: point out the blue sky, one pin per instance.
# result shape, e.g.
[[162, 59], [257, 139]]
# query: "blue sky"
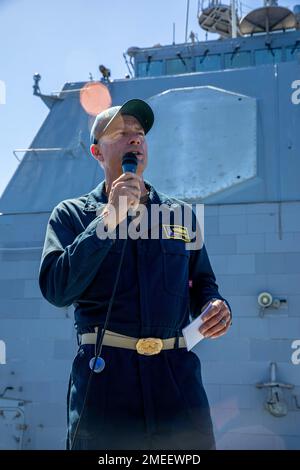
[[65, 40]]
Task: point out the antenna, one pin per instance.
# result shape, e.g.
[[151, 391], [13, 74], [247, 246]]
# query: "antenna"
[[173, 33], [267, 19], [187, 19], [220, 18], [233, 20]]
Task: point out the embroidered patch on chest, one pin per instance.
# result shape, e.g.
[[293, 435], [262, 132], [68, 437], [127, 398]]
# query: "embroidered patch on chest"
[[178, 232]]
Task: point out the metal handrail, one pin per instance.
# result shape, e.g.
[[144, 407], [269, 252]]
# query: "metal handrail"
[[49, 149], [54, 149]]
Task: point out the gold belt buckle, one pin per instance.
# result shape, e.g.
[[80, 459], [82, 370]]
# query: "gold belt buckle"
[[149, 346]]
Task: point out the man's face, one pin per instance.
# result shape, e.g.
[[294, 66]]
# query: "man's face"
[[125, 134]]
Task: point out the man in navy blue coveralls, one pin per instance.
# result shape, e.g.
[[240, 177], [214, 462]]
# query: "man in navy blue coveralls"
[[138, 401]]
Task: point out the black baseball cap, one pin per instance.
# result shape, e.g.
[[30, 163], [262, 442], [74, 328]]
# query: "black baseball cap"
[[136, 108]]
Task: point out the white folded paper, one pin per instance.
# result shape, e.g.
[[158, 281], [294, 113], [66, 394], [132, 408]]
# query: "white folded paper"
[[191, 332]]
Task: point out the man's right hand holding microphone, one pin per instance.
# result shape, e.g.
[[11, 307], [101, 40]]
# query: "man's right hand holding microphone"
[[124, 194]]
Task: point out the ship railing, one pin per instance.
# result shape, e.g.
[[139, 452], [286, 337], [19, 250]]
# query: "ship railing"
[[69, 150]]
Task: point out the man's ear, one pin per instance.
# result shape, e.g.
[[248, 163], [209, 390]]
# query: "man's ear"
[[95, 151]]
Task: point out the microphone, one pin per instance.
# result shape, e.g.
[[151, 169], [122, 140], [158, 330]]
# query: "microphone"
[[129, 162]]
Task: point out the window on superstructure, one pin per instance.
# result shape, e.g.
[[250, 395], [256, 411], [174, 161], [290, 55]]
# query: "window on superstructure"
[[292, 53], [152, 68], [268, 56], [208, 62], [238, 59], [176, 66]]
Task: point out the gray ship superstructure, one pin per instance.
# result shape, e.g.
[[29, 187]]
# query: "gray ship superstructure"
[[226, 135]]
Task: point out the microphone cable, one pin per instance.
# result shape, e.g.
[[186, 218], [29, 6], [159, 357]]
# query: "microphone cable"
[[99, 341]]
